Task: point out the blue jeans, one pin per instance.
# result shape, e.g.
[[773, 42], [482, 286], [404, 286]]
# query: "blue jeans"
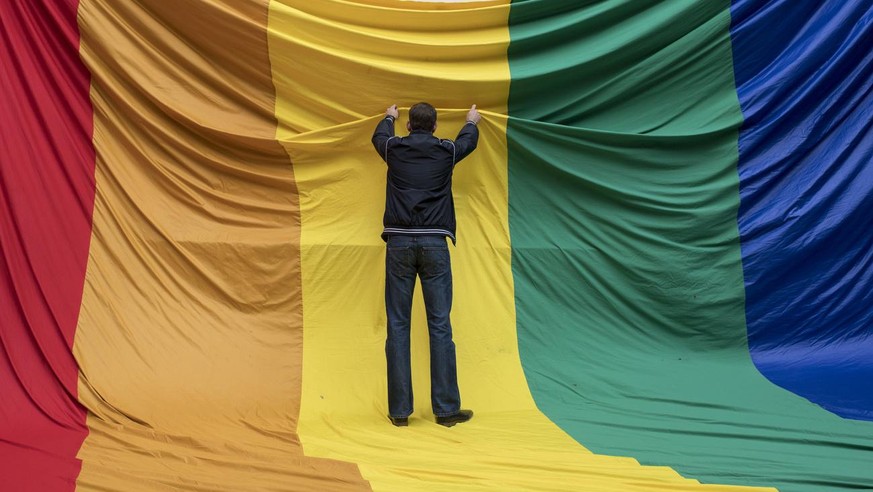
[[427, 257]]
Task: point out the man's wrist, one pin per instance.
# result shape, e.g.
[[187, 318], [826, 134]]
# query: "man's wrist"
[[390, 118], [472, 122]]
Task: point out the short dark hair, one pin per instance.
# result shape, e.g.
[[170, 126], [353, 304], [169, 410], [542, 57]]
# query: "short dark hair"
[[422, 116]]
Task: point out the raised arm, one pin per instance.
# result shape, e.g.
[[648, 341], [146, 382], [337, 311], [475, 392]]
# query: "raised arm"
[[468, 137], [385, 131]]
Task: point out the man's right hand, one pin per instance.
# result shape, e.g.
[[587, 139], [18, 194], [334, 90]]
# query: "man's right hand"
[[473, 116], [392, 112]]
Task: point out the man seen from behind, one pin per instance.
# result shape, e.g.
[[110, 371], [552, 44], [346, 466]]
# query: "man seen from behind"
[[419, 216]]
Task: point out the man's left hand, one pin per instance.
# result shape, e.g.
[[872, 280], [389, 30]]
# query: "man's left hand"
[[473, 115]]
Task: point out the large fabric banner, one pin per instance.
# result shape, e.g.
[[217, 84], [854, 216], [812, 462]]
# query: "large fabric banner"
[[663, 278]]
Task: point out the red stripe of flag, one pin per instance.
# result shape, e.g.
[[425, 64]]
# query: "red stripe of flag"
[[46, 202]]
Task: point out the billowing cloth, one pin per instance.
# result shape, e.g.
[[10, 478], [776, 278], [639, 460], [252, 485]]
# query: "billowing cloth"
[[663, 278], [805, 196]]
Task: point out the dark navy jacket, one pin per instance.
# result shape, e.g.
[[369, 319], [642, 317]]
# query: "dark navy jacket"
[[418, 198]]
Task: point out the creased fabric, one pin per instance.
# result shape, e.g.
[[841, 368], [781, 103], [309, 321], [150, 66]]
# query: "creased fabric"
[[189, 339], [627, 261], [46, 200], [806, 187], [193, 273]]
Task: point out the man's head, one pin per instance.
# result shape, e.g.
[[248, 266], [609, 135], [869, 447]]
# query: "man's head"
[[422, 116]]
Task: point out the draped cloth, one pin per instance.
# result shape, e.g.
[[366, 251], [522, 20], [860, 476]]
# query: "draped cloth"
[[663, 278]]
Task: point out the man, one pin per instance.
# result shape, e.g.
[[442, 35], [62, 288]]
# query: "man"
[[419, 215]]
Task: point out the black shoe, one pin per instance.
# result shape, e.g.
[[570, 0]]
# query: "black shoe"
[[399, 421], [458, 418]]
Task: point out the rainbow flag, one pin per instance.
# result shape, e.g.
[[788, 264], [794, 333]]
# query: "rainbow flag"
[[663, 275]]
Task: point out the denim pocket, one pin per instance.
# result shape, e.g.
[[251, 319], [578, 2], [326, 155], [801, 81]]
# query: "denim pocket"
[[400, 260], [436, 257]]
